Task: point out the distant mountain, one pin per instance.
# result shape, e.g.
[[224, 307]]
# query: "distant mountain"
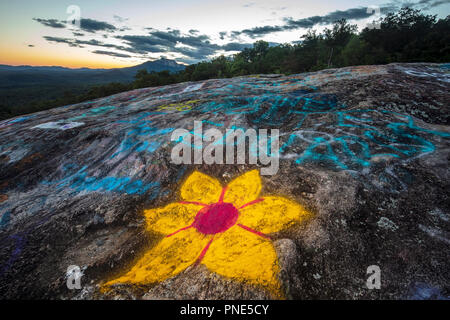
[[157, 65], [25, 76], [127, 74]]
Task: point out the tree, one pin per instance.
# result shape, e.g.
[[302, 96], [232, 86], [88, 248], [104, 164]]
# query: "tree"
[[338, 37], [401, 35]]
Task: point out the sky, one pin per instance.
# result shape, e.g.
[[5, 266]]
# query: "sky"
[[113, 33]]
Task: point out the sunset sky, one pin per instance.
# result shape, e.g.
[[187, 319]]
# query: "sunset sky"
[[116, 33]]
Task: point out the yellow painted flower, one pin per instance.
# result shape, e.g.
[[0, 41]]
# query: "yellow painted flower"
[[226, 229]]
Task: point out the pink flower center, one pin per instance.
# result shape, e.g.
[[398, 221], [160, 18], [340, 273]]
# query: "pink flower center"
[[216, 218]]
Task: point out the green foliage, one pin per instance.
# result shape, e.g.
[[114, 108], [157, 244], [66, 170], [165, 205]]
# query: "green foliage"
[[404, 36], [144, 79], [401, 36]]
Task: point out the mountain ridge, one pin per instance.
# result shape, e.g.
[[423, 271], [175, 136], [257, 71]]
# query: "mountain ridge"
[[22, 76], [168, 62]]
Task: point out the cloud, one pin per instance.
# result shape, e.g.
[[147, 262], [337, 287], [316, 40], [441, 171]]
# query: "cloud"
[[258, 31], [429, 4], [53, 23], [349, 14], [120, 19], [143, 44], [91, 25], [438, 3], [291, 24], [112, 54], [81, 43], [87, 25], [194, 47], [70, 42], [222, 35], [235, 46]]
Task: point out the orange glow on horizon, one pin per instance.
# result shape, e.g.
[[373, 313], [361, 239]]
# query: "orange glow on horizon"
[[67, 63], [38, 58]]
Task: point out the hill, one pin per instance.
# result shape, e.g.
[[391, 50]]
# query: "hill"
[[23, 76], [23, 85]]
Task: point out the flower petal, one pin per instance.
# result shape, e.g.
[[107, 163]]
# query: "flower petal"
[[200, 187], [171, 218], [169, 257], [243, 189], [272, 214], [246, 257]]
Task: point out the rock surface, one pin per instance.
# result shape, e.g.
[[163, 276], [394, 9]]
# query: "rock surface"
[[365, 149]]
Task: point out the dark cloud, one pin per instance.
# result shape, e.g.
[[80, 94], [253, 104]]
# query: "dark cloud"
[[90, 25], [292, 24], [112, 54], [258, 31], [53, 23], [143, 44], [138, 45], [31, 45], [350, 14], [235, 46], [87, 25], [81, 43], [192, 45], [70, 42], [91, 42], [195, 47], [429, 4]]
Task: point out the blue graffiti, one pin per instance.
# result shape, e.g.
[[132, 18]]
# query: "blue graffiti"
[[4, 221], [93, 112], [424, 291], [310, 154], [445, 66], [80, 181], [142, 128], [345, 151]]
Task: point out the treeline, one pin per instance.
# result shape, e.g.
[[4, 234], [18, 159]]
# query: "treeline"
[[405, 36]]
